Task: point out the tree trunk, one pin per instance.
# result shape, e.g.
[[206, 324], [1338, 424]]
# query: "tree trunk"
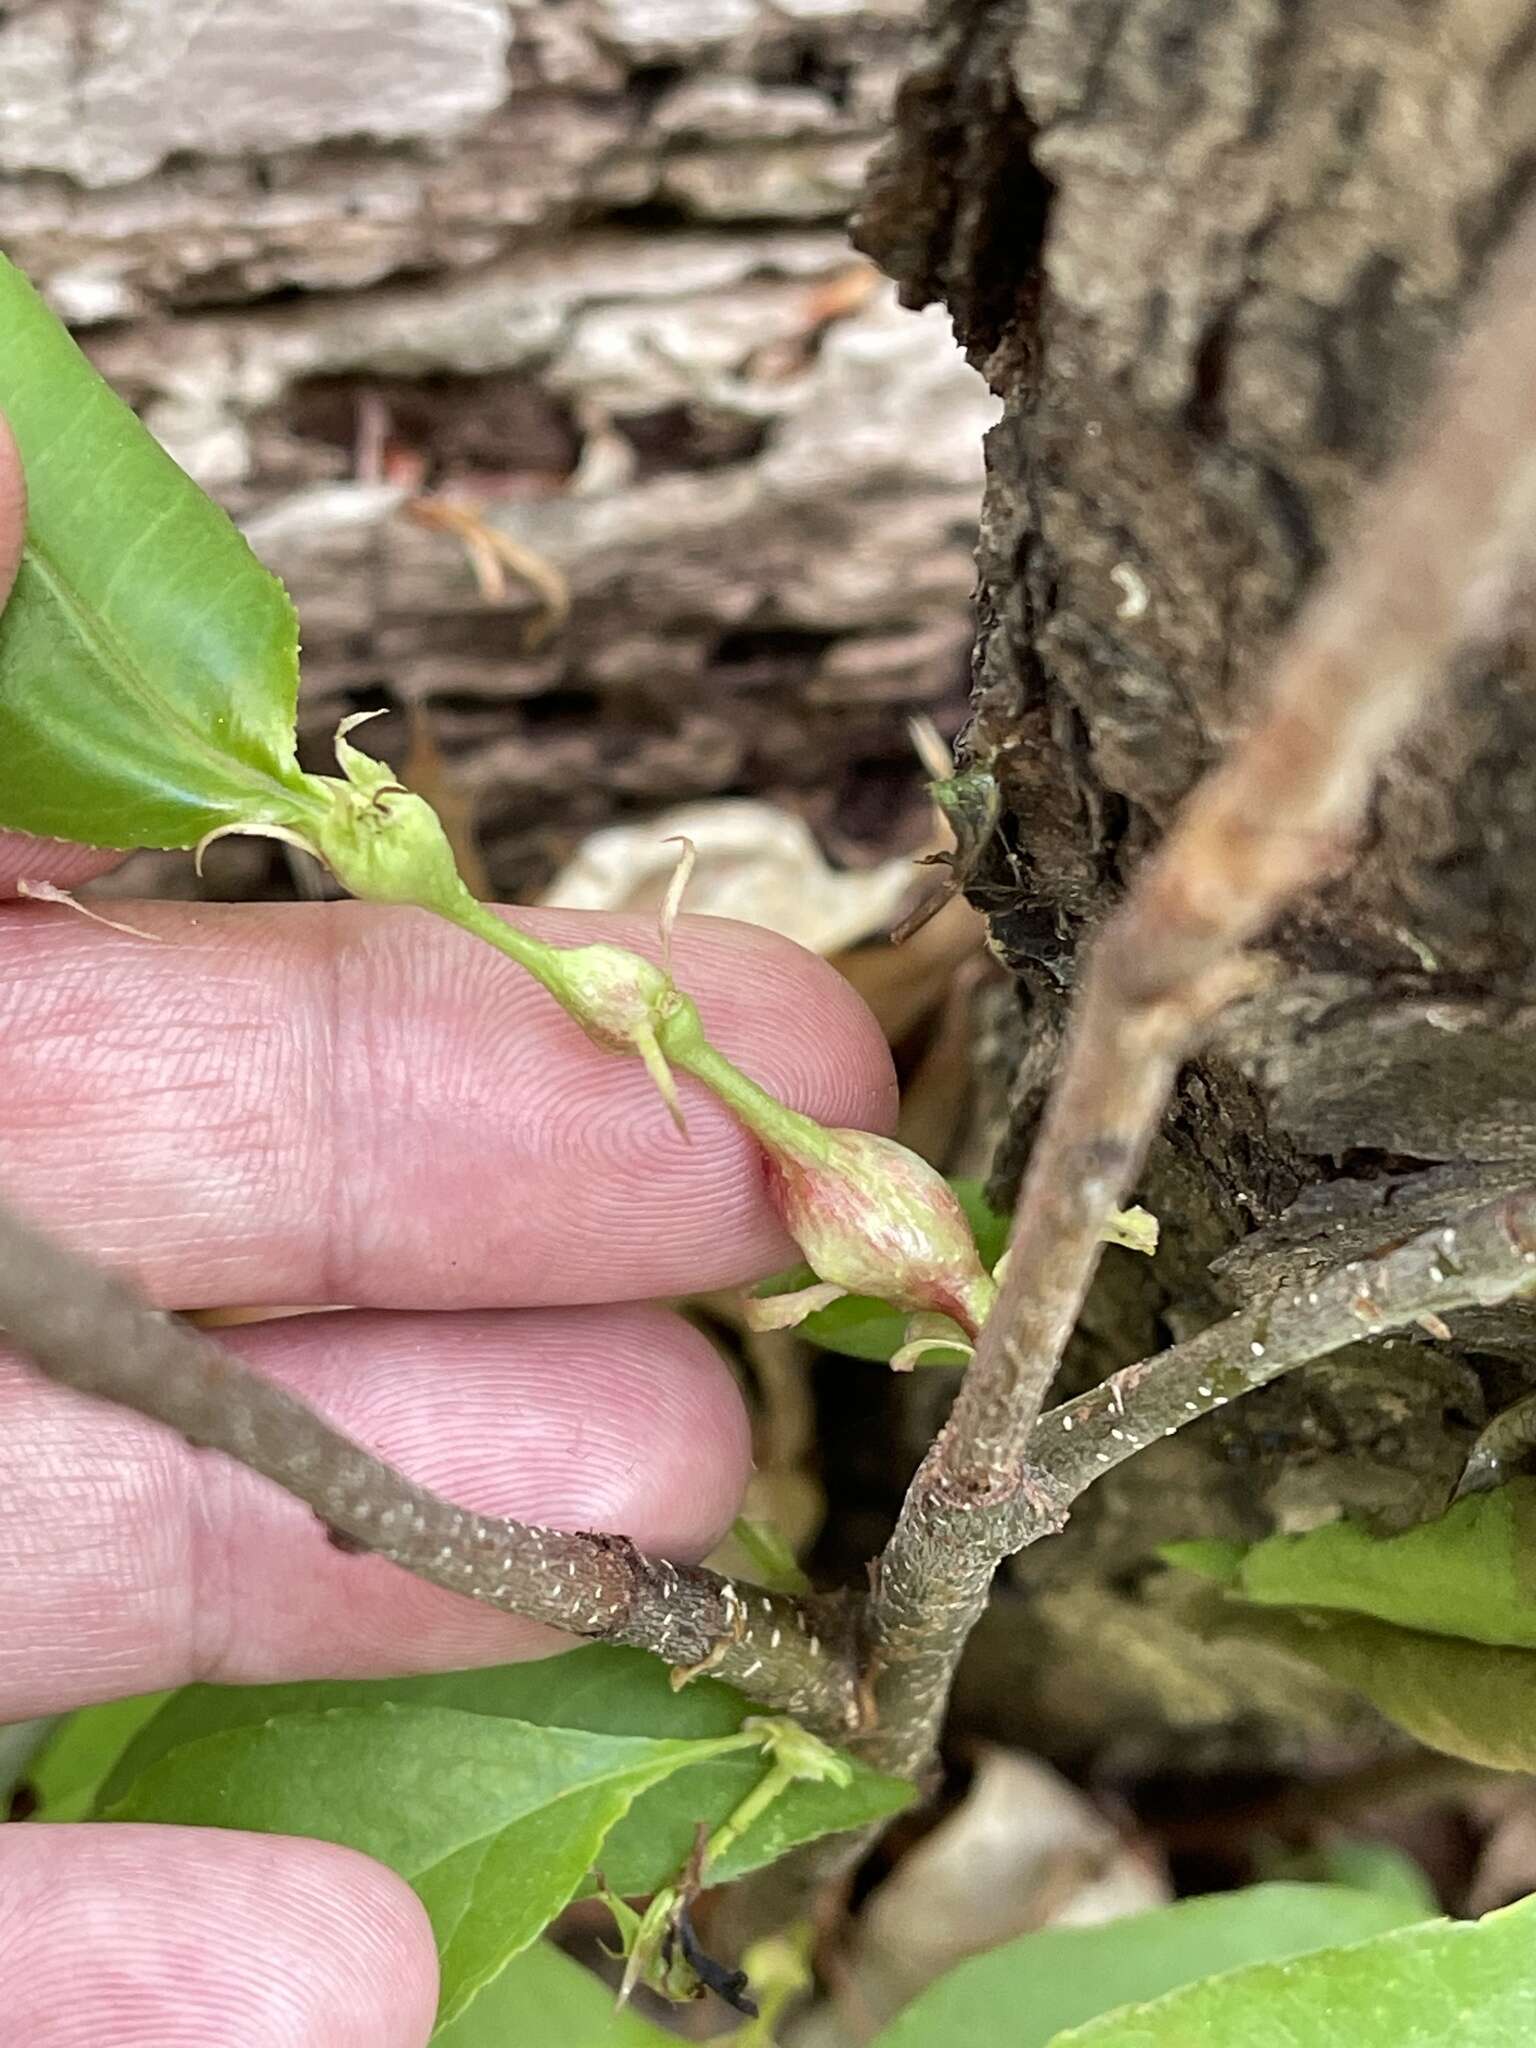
[[1205, 254], [584, 265]]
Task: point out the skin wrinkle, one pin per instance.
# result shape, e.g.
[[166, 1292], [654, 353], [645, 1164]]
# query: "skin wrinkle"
[[109, 1516], [315, 1944], [338, 1216], [512, 1159]]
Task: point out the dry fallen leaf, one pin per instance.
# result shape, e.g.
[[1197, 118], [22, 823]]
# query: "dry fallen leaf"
[[755, 862], [1023, 1850]]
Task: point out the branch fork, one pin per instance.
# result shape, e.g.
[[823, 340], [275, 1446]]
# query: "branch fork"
[[1438, 560]]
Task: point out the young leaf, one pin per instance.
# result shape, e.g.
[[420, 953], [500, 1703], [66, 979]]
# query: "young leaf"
[[768, 1558], [1021, 1995], [1443, 1984], [1467, 1699], [70, 1769], [597, 1690], [544, 2000], [148, 663], [1471, 1573], [1360, 1865], [494, 1822]]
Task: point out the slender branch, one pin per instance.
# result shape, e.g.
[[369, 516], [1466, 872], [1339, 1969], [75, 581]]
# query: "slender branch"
[[86, 1329], [1434, 563], [1484, 1257]]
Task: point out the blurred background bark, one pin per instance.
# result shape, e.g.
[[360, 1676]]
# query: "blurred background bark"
[[580, 268]]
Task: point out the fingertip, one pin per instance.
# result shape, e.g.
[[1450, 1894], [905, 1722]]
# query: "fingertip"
[[13, 507], [357, 1105], [127, 1936], [810, 1034], [681, 1440]]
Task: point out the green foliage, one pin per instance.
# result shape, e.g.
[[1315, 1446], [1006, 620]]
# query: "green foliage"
[[1443, 1984], [69, 1771], [494, 1822], [1436, 1626], [1467, 1699], [1471, 1573], [1023, 1994], [596, 1689], [494, 1792], [544, 2000], [150, 663]]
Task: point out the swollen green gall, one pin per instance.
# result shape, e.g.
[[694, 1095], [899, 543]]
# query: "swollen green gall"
[[869, 1216], [625, 1004], [390, 849], [873, 1218]]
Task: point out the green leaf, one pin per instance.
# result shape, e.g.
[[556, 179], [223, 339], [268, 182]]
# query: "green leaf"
[[1209, 1557], [1436, 1626], [544, 2000], [1444, 1984], [859, 1326], [494, 1822], [69, 1771], [1021, 1995], [1359, 1865], [1381, 1869], [597, 1689], [1471, 1573], [770, 1561], [148, 663], [1468, 1699]]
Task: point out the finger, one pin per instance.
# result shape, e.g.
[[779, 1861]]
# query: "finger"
[[137, 1937], [130, 1562], [333, 1103], [48, 860], [13, 508]]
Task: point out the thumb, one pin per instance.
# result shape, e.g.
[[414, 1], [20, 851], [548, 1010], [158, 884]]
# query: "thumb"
[[13, 509]]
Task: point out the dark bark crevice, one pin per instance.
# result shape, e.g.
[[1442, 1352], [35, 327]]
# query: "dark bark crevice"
[[1245, 269]]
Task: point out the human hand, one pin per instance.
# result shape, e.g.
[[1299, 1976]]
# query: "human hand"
[[332, 1103]]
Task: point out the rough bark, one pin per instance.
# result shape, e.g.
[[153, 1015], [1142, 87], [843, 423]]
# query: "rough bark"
[[584, 264], [1205, 255]]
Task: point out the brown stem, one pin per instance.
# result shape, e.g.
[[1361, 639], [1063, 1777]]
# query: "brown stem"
[[1433, 564], [951, 1545], [85, 1328]]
